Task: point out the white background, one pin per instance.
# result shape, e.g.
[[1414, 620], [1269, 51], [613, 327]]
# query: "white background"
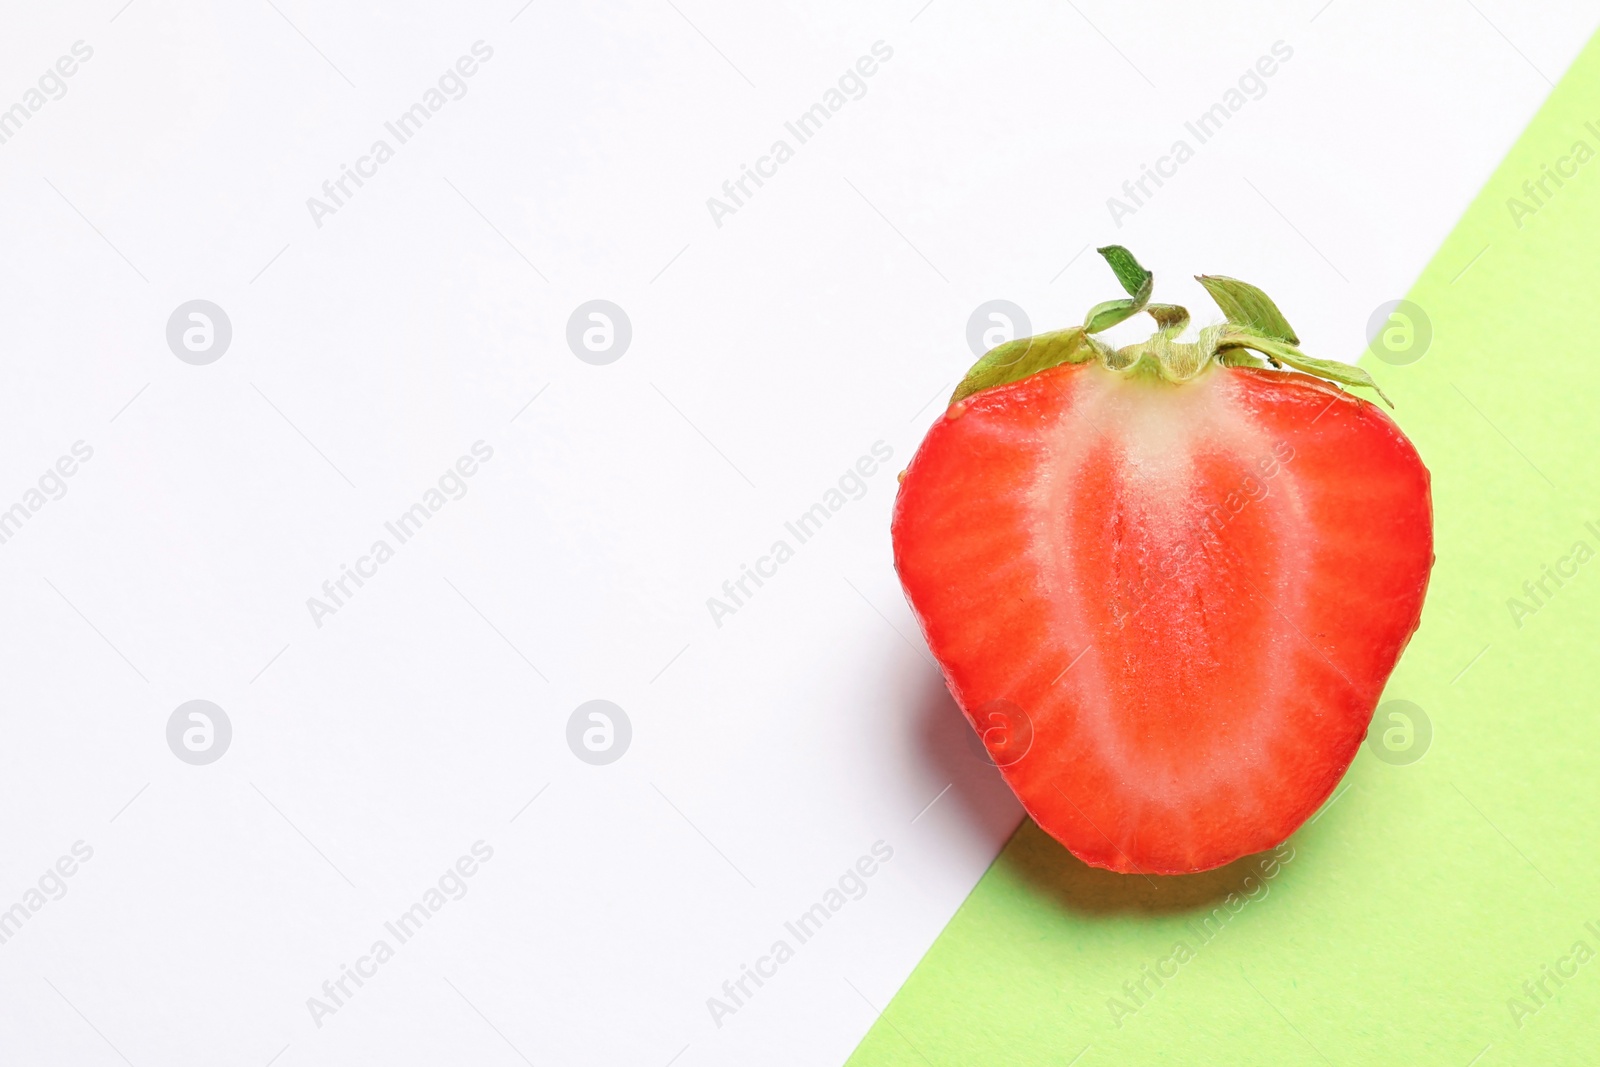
[[768, 354]]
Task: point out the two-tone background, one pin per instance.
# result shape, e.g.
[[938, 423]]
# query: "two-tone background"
[[445, 462]]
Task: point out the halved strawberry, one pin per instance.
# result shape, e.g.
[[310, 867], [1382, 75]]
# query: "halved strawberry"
[[1167, 583]]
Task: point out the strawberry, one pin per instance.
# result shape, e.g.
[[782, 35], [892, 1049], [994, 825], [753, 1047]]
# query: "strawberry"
[[1166, 583]]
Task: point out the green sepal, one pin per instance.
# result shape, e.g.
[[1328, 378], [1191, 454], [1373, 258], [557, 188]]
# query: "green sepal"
[[1171, 318], [1026, 356], [1240, 357], [1134, 278], [1105, 315], [1245, 305], [1138, 283], [1333, 370], [1255, 325], [1277, 352]]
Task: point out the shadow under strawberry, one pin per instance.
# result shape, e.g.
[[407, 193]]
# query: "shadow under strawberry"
[[1035, 858]]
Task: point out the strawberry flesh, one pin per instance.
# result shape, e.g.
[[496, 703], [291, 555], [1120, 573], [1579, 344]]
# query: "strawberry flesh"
[[1169, 608]]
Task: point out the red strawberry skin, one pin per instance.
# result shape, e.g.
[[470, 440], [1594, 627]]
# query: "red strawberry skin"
[[1173, 607]]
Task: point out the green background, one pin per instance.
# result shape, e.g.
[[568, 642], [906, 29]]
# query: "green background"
[[1423, 895]]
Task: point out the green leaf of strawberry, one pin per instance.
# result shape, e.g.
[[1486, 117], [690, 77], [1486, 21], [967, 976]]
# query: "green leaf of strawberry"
[[1023, 357], [1254, 322], [1134, 278], [1170, 318], [1247, 306]]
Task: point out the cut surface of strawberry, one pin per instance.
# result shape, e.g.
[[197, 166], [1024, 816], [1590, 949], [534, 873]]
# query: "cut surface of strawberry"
[[1167, 599]]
